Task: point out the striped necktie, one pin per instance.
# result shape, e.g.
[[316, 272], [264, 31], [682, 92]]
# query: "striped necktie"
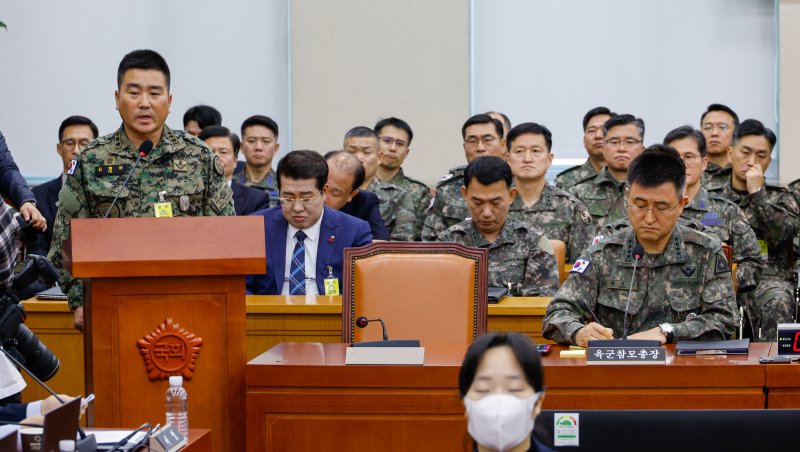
[[297, 271]]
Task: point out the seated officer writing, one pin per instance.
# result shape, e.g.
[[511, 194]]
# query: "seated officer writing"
[[682, 289]]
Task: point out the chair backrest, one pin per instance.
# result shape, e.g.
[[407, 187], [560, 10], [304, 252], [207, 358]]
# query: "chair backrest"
[[560, 249], [434, 292]]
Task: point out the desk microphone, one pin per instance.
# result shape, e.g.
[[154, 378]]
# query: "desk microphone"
[[144, 149], [362, 322], [637, 253]]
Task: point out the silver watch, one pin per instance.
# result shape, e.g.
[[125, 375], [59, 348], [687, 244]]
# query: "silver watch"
[[668, 330]]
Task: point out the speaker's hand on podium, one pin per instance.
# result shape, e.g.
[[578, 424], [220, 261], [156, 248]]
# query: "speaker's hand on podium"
[[79, 318]]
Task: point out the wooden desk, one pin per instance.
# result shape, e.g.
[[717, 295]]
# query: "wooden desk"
[[783, 383], [199, 439]]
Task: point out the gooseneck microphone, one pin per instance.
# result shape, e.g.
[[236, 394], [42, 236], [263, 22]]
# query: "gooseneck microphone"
[[362, 322], [144, 149], [637, 253]]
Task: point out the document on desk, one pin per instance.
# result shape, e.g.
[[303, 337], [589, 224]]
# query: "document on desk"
[[735, 347]]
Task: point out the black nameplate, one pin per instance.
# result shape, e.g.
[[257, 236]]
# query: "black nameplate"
[[111, 170], [626, 355]]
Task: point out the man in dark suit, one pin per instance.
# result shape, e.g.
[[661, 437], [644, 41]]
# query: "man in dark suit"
[[345, 176], [225, 144], [305, 239], [74, 134], [14, 187]]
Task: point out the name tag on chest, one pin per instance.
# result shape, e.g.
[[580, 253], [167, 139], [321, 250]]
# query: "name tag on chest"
[[111, 170]]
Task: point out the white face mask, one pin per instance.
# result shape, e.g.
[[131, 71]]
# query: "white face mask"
[[500, 421]]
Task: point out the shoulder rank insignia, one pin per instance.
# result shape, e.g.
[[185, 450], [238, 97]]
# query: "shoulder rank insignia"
[[580, 266], [111, 170], [721, 265]]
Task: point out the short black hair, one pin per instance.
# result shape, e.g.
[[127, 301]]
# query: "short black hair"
[[351, 164], [205, 115], [260, 120], [360, 132], [143, 59], [657, 165], [76, 120], [221, 132], [688, 132], [723, 108], [482, 118], [506, 121], [594, 112], [488, 170], [623, 120], [754, 127], [532, 128], [303, 164], [394, 122], [523, 349]]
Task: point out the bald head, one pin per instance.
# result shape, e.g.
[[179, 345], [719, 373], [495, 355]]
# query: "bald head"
[[345, 175]]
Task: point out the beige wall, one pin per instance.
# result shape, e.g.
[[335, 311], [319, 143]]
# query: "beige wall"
[[789, 91], [356, 61]]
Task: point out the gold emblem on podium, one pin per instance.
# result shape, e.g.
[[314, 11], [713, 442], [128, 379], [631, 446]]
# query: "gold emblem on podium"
[[169, 350]]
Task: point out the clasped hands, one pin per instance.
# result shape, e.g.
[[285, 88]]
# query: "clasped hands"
[[594, 330]]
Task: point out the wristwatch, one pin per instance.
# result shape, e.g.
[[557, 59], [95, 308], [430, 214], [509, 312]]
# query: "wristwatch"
[[668, 330]]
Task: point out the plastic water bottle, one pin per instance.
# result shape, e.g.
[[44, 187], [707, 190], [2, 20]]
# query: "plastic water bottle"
[[177, 415]]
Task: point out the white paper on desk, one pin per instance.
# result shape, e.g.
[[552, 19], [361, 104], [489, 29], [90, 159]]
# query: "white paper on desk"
[[114, 436]]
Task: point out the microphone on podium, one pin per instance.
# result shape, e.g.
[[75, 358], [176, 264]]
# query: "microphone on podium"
[[362, 322], [637, 252], [144, 149]]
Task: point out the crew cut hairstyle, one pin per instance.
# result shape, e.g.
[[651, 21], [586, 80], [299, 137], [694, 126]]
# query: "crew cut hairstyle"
[[205, 115], [488, 170], [594, 112], [348, 162], [657, 165], [482, 119], [76, 121], [688, 132], [523, 349], [723, 108], [303, 164], [143, 59], [532, 128], [221, 132], [360, 132], [623, 120], [397, 123], [754, 127], [260, 120]]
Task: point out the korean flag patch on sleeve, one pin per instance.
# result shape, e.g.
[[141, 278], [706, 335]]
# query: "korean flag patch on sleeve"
[[580, 266], [73, 165]]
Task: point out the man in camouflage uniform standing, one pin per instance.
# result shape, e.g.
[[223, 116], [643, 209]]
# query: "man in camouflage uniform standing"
[[717, 125], [520, 256], [394, 143], [774, 217], [482, 136], [560, 215], [259, 146], [604, 195], [593, 143], [682, 288], [396, 204], [180, 166]]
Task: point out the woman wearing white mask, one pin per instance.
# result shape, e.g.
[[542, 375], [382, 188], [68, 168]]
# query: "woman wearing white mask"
[[502, 387]]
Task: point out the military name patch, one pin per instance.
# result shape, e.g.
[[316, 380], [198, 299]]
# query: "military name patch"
[[580, 266], [721, 265], [711, 219], [111, 170], [621, 284]]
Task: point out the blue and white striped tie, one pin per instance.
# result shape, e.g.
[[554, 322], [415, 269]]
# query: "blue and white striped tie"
[[297, 271]]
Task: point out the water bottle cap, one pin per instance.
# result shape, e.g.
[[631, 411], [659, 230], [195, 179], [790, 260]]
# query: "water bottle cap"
[[66, 444], [176, 380]]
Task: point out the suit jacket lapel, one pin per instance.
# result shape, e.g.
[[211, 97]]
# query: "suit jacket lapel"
[[325, 249], [277, 227]]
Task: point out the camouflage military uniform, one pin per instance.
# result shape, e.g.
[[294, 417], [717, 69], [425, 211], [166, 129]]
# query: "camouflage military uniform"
[[520, 259], [397, 210], [560, 215], [448, 207], [688, 285], [269, 184], [571, 177], [604, 196], [773, 215], [716, 175], [181, 165], [420, 197]]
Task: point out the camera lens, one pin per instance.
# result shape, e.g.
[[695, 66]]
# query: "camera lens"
[[38, 359]]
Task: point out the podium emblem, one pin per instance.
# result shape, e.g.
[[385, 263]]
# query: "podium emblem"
[[169, 350]]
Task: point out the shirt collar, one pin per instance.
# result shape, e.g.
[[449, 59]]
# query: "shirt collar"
[[312, 232]]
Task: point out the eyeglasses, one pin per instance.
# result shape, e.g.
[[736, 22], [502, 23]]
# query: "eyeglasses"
[[722, 127], [658, 209], [305, 202], [616, 142], [389, 141], [487, 140], [691, 158], [70, 144]]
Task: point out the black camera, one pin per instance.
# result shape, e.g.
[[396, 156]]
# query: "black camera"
[[34, 272]]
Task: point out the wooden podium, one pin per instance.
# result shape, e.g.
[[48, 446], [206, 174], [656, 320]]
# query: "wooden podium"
[[166, 296]]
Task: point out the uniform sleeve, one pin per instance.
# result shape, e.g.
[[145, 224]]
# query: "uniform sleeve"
[[581, 232], [567, 311], [422, 203], [434, 221], [779, 220], [405, 223], [746, 253], [219, 197], [541, 271]]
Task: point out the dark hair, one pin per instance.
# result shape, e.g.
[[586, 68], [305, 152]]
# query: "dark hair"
[[260, 120], [303, 164], [594, 112], [532, 128], [76, 121], [348, 162], [360, 132], [482, 118], [658, 164], [394, 122], [688, 132], [143, 59], [754, 127], [723, 108], [221, 132], [523, 348], [506, 121], [205, 116], [488, 170], [623, 120]]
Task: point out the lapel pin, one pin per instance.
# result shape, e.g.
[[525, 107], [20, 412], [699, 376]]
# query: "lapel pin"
[[331, 239]]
